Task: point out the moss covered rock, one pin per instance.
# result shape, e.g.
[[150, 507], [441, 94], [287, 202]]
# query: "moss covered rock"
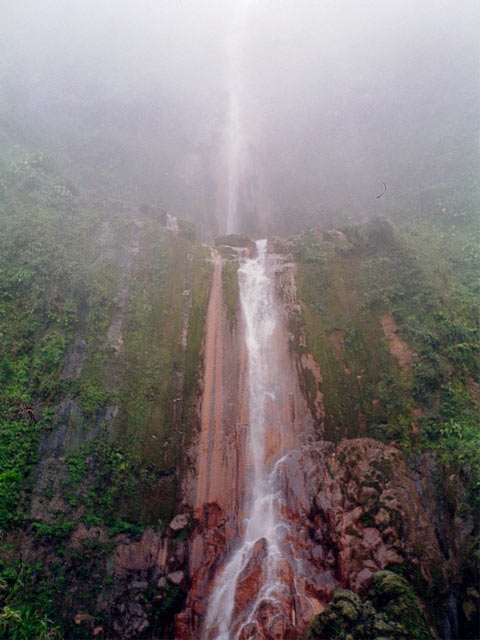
[[391, 612]]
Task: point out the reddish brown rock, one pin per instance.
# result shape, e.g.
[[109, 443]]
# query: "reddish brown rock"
[[398, 347], [223, 468], [349, 509], [148, 552], [252, 578], [377, 520]]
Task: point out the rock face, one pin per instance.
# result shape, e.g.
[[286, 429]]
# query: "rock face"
[[215, 491], [352, 508], [349, 510], [398, 347], [154, 562], [124, 472], [219, 488], [367, 514], [355, 510], [391, 612], [105, 438]]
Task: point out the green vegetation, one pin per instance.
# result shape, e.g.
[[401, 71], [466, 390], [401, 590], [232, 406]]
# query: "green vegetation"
[[421, 283], [392, 318], [41, 314], [365, 391], [27, 602], [231, 292], [390, 612], [227, 247], [102, 316], [233, 240]]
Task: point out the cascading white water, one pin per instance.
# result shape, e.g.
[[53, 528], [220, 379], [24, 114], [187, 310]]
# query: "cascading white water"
[[263, 524], [234, 133], [172, 224], [263, 497]]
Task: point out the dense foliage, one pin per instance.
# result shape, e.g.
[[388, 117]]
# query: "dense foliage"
[[420, 282], [391, 612], [95, 297], [392, 315], [102, 316]]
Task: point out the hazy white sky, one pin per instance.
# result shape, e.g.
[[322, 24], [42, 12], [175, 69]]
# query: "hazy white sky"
[[328, 86]]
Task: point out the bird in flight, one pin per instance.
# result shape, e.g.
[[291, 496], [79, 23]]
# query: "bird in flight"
[[384, 189]]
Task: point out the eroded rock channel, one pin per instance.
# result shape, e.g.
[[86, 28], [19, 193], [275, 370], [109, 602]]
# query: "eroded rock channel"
[[283, 519], [252, 575]]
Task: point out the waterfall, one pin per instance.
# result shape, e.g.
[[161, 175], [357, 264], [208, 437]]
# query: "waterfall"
[[172, 224], [234, 132], [263, 529]]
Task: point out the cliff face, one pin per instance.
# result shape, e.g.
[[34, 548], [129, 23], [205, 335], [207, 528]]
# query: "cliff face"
[[103, 314], [386, 332], [220, 486], [124, 421], [216, 489], [367, 482]]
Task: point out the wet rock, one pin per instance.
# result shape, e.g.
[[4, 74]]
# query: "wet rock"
[[75, 359], [176, 577], [82, 534], [184, 624], [139, 625], [352, 508], [273, 621], [370, 515], [142, 555], [179, 522], [362, 580], [248, 631], [250, 580], [371, 538], [218, 494], [83, 618], [140, 585], [181, 552], [135, 609], [382, 518]]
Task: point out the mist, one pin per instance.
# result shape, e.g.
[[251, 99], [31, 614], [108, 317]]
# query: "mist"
[[251, 116]]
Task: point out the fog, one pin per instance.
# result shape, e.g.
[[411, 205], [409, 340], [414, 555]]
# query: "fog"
[[273, 114]]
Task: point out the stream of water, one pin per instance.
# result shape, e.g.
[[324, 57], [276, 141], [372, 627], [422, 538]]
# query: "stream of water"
[[263, 524], [234, 131]]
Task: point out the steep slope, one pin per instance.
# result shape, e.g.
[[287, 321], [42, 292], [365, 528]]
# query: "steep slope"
[[384, 335], [253, 417], [124, 418], [388, 340], [102, 313]]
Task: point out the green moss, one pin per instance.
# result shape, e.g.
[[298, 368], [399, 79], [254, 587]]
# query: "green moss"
[[122, 302], [57, 532], [349, 345], [391, 612], [231, 293], [201, 278], [233, 240], [344, 296], [187, 229], [47, 363]]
